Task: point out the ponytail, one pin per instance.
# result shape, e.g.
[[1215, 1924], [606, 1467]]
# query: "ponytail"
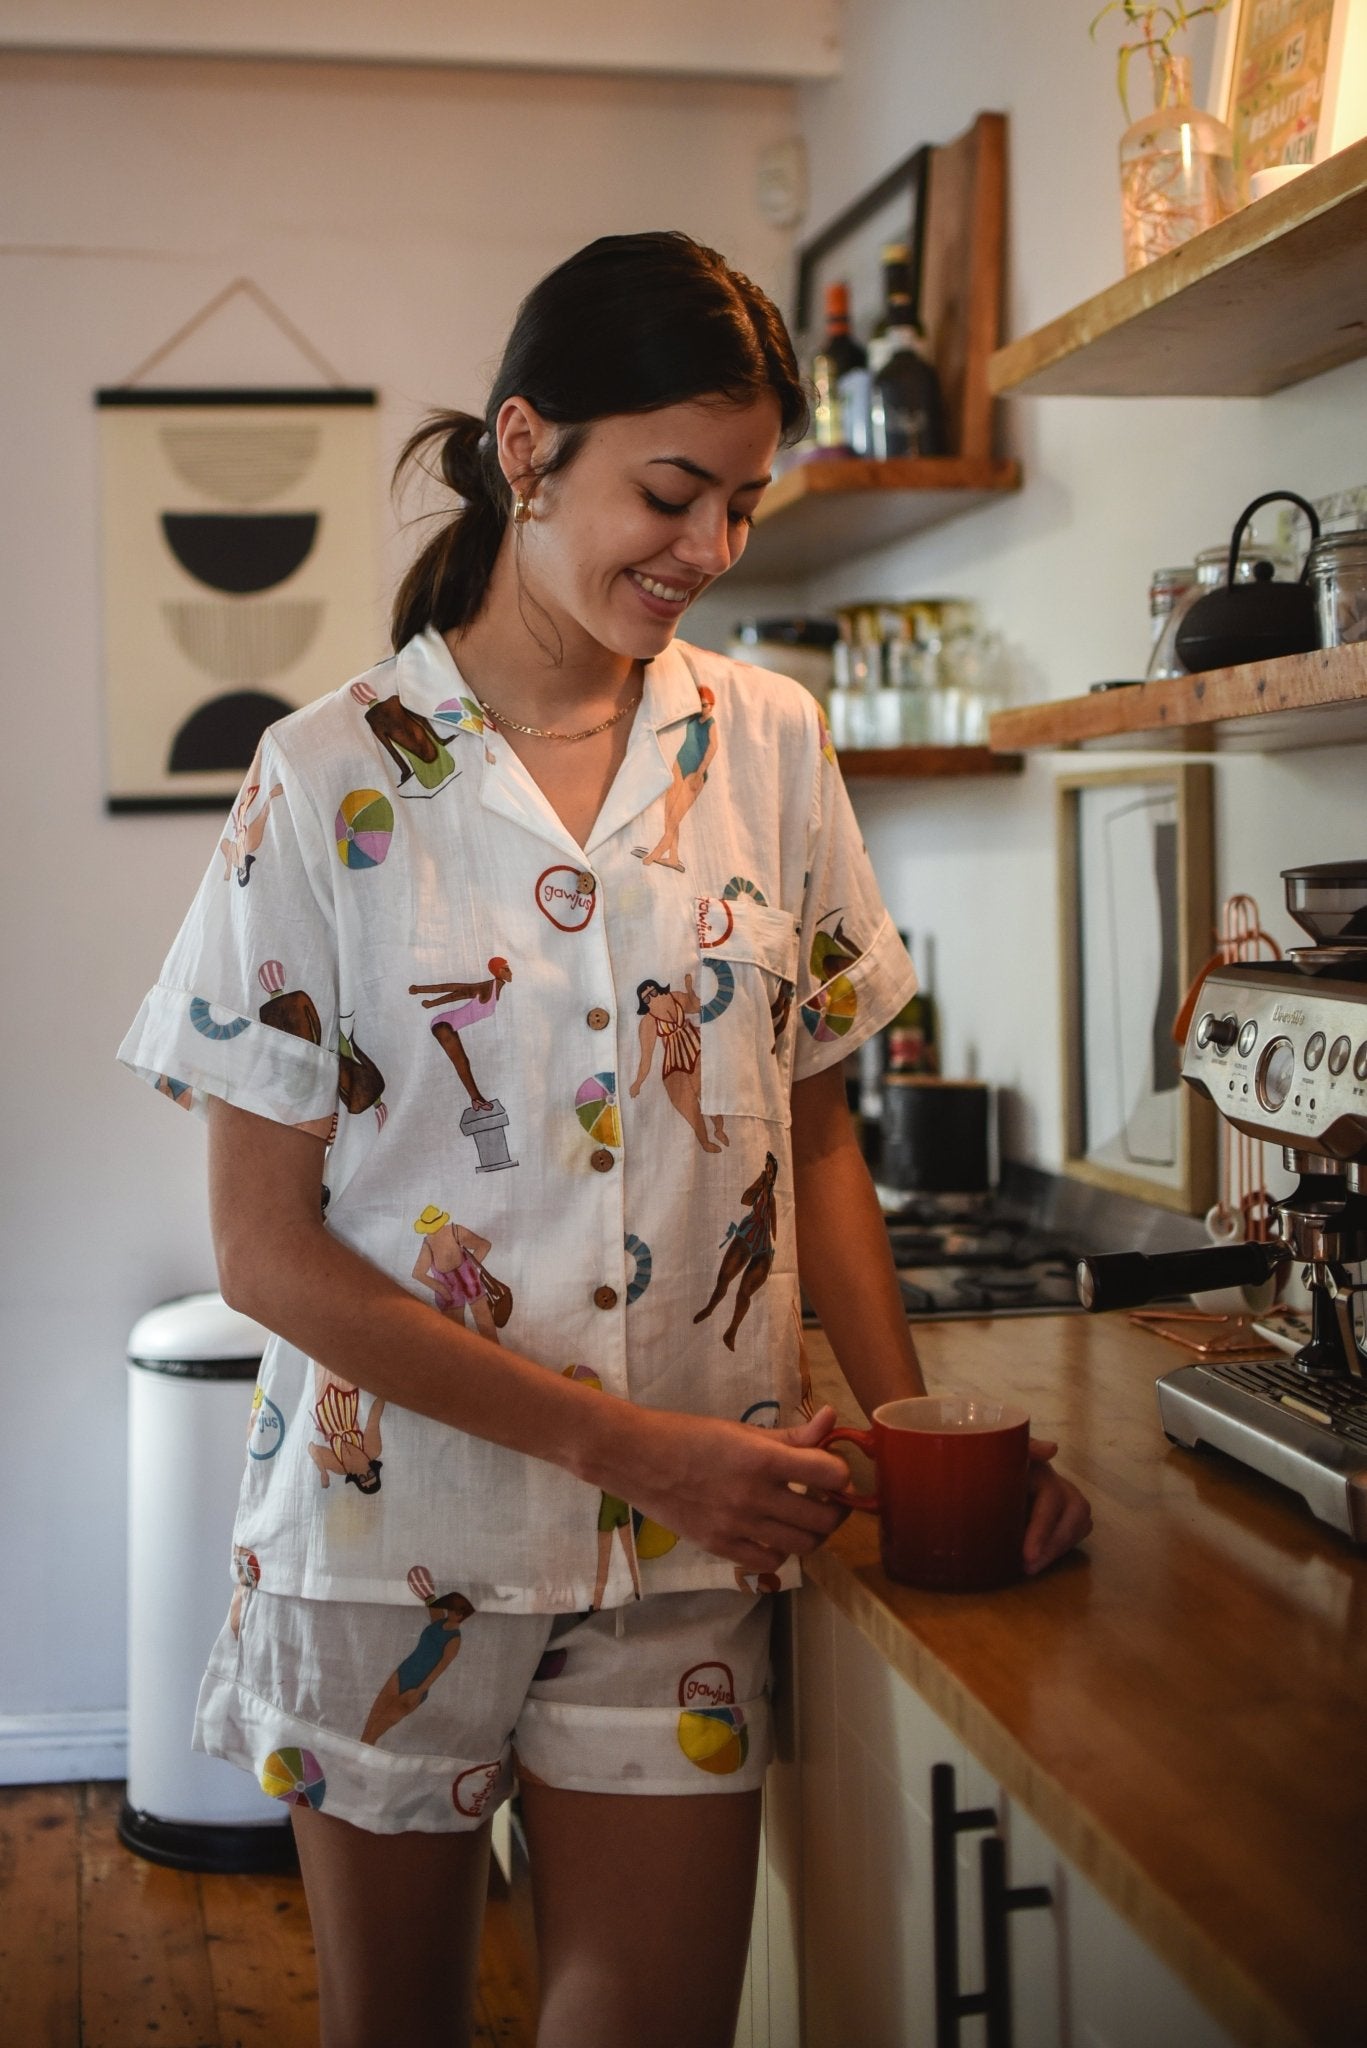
[[446, 585]]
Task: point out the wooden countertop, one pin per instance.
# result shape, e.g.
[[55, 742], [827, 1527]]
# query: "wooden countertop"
[[1182, 1705]]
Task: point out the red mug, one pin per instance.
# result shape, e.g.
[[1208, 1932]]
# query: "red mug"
[[952, 1477]]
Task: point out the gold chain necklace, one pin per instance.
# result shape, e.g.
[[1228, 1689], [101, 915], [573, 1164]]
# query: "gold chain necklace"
[[538, 732]]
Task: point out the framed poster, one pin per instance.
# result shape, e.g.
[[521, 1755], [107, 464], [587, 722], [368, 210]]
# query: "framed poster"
[[241, 570], [1285, 80], [850, 247], [1136, 914]]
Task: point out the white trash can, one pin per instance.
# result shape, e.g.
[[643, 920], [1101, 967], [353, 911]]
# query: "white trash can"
[[190, 1364]]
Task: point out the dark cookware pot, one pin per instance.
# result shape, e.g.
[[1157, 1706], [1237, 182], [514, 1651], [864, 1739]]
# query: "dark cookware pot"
[[1242, 622], [936, 1135]]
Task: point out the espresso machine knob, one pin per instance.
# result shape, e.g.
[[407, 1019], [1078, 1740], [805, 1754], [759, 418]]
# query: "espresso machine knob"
[[1217, 1034]]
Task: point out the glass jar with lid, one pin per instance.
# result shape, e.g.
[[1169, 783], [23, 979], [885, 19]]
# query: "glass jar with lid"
[[1212, 567], [797, 647], [1338, 573]]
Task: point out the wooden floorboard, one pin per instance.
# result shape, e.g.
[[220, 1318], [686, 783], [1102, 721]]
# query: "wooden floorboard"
[[261, 1961], [145, 1972], [40, 1916], [101, 1949]]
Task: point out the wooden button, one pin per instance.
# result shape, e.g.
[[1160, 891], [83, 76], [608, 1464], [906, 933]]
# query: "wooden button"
[[586, 882], [598, 1020], [601, 1160], [605, 1297]]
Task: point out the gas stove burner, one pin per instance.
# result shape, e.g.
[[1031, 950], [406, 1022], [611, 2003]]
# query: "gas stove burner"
[[996, 1289]]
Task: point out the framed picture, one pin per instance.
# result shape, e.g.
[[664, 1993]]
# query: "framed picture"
[[241, 571], [1290, 78], [1136, 911], [850, 247]]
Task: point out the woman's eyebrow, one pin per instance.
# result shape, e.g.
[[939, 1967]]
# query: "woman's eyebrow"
[[705, 476]]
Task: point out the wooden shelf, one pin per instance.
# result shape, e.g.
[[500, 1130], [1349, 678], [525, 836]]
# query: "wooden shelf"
[[1304, 700], [911, 763], [1274, 295], [828, 509]]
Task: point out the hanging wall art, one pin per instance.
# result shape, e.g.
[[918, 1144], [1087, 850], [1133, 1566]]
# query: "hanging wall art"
[[240, 576]]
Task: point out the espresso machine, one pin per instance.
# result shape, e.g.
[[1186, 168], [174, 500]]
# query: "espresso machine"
[[1280, 1048]]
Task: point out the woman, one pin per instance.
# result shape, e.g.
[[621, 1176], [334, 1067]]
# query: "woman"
[[628, 438]]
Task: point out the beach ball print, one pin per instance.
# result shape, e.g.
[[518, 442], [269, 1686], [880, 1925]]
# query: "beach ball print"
[[712, 1730], [473, 1789], [364, 827], [595, 1105], [294, 1775], [716, 1739], [832, 1010]]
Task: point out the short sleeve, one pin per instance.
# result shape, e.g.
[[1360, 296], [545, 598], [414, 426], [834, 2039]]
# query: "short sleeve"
[[246, 1005], [853, 971]]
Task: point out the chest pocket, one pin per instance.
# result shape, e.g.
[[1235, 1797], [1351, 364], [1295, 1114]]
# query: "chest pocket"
[[745, 978]]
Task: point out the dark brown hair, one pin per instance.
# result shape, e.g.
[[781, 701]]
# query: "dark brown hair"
[[630, 324]]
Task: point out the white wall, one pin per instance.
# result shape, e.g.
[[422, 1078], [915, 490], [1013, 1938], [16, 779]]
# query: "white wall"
[[1113, 488], [397, 217]]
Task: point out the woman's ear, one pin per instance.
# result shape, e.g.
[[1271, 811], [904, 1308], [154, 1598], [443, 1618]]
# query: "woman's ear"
[[524, 440]]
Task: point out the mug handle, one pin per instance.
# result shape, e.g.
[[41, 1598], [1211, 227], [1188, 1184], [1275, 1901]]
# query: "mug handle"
[[868, 1502]]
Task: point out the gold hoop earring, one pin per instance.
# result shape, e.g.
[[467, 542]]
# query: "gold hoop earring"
[[522, 510]]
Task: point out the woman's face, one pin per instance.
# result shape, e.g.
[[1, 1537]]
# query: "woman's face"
[[653, 508]]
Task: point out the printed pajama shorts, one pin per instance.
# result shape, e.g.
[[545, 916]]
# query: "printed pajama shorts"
[[394, 1719]]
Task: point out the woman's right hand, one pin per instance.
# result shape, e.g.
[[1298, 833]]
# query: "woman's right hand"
[[728, 1486]]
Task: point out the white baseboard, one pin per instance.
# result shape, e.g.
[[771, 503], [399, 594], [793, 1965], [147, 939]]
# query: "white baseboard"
[[55, 1749]]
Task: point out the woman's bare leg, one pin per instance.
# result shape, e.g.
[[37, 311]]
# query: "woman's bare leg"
[[643, 1909], [396, 1927]]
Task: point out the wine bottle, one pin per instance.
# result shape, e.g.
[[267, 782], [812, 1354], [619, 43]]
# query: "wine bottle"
[[907, 412], [838, 354], [913, 1034]]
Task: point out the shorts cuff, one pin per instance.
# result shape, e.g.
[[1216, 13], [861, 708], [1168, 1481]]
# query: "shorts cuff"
[[302, 1765], [639, 1750]]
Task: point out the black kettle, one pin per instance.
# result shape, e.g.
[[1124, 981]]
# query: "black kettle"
[[1242, 622]]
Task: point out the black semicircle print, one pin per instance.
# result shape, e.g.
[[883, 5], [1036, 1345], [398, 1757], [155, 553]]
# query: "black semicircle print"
[[240, 552], [224, 732]]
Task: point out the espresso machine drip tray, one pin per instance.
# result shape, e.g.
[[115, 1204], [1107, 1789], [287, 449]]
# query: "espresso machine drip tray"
[[1308, 1434]]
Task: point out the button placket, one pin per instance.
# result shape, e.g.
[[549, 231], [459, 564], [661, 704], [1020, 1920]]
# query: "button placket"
[[594, 973]]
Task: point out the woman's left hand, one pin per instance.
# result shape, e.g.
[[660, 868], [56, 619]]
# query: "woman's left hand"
[[1060, 1516]]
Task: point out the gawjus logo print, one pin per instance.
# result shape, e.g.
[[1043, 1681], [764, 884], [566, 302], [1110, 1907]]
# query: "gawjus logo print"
[[561, 897], [707, 1685]]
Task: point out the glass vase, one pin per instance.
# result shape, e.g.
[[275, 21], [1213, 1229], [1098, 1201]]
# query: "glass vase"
[[1176, 170]]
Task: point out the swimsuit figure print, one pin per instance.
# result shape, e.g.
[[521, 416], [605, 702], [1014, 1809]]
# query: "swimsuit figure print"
[[485, 1120], [451, 1263], [436, 1649], [247, 825], [412, 743], [668, 1018], [747, 1250], [687, 776], [348, 1450]]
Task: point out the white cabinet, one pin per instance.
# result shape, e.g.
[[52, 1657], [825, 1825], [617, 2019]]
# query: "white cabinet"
[[864, 1902]]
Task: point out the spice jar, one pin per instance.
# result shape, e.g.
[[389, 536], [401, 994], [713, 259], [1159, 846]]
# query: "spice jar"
[[1338, 573]]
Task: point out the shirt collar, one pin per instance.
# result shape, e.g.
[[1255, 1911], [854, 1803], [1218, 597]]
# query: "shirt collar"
[[427, 681], [672, 689]]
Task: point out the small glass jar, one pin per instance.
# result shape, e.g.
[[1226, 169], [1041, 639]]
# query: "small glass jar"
[[1338, 572], [1165, 587], [799, 647]]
